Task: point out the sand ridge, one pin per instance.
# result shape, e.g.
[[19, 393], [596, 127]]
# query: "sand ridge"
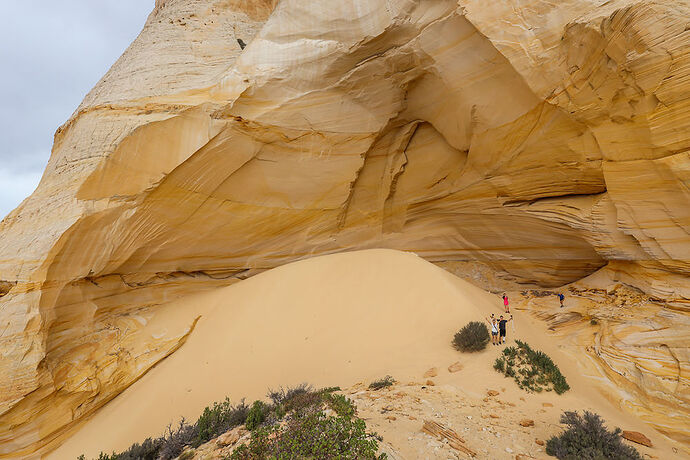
[[332, 320]]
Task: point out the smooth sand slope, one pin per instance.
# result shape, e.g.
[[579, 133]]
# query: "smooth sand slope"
[[332, 320]]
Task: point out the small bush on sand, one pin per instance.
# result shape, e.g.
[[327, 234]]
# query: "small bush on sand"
[[340, 404], [292, 425], [500, 364], [588, 439], [256, 415], [313, 435], [532, 370], [214, 421], [300, 398], [174, 441], [473, 337], [329, 389], [218, 419], [147, 450], [385, 382], [281, 395]]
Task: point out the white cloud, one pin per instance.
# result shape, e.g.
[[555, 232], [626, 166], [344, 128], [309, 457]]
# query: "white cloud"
[[52, 53], [14, 187]]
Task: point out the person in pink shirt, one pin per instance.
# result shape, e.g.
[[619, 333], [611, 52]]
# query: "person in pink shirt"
[[505, 303]]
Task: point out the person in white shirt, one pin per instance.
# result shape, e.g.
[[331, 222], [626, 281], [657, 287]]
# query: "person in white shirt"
[[494, 329]]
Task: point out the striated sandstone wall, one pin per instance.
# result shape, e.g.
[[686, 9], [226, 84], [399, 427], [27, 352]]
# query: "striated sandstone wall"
[[544, 140], [637, 343]]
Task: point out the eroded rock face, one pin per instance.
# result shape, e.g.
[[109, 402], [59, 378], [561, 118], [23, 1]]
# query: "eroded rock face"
[[636, 342], [544, 140]]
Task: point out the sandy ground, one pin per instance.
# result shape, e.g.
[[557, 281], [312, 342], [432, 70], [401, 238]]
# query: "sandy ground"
[[343, 319]]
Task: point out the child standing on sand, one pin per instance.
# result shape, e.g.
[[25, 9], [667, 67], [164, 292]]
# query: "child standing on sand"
[[505, 303]]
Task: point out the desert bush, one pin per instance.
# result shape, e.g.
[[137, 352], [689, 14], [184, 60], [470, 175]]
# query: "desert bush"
[[298, 399], [533, 370], [385, 382], [281, 395], [175, 440], [147, 450], [314, 435], [214, 421], [256, 415], [340, 404], [219, 419], [301, 402], [288, 405], [329, 389], [473, 337], [588, 439]]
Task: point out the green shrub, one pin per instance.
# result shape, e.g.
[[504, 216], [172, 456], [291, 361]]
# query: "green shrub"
[[219, 419], [473, 337], [587, 439], [281, 395], [340, 404], [511, 352], [214, 421], [329, 389], [288, 405], [314, 435], [302, 402], [593, 322], [532, 370], [174, 441], [256, 415], [147, 450], [299, 398], [385, 382]]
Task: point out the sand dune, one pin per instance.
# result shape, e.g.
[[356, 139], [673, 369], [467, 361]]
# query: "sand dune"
[[332, 320]]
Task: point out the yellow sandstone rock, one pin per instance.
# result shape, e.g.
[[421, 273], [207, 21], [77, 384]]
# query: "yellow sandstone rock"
[[455, 367], [432, 372], [544, 140]]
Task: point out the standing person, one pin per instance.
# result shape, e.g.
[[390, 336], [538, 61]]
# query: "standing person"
[[505, 303], [494, 329], [561, 297], [502, 328]]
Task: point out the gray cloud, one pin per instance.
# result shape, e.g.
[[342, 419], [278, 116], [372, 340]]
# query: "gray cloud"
[[52, 53]]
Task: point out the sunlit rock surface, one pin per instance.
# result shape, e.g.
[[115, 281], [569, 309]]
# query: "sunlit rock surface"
[[543, 140]]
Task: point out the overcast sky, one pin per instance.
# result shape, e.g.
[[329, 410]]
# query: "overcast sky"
[[51, 54]]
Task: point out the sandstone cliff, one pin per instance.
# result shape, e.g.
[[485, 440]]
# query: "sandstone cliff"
[[544, 140]]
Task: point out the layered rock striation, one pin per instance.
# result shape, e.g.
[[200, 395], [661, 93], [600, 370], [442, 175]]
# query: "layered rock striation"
[[544, 140]]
